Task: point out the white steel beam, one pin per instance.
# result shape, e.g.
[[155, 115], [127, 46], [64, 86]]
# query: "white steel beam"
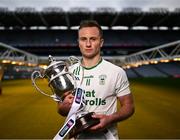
[[11, 54], [167, 51]]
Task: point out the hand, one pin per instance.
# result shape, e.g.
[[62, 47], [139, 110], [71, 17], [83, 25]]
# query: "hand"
[[104, 122], [65, 105]]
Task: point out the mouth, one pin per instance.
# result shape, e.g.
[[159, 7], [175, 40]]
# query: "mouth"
[[88, 50]]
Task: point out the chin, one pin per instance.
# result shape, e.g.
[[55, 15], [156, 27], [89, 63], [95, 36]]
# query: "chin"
[[89, 56]]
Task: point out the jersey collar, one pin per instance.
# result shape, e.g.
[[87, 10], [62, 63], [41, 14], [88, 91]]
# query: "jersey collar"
[[93, 66]]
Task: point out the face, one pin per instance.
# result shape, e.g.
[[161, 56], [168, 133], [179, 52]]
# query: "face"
[[90, 42]]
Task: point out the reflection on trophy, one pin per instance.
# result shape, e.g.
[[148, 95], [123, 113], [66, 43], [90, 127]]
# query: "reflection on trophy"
[[60, 80], [58, 76]]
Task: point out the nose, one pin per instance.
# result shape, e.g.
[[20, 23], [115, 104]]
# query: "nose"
[[88, 43]]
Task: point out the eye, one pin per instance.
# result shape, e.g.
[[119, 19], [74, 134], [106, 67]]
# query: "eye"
[[82, 39], [93, 39]]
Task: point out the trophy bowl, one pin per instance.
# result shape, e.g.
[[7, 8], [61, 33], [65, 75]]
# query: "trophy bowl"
[[60, 80]]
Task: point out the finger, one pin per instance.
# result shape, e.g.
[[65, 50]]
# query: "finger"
[[98, 126], [66, 94], [98, 116], [68, 100]]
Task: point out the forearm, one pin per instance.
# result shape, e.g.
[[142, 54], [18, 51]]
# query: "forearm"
[[126, 110], [106, 120], [124, 113]]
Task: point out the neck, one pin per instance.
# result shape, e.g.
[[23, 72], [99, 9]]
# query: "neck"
[[90, 62]]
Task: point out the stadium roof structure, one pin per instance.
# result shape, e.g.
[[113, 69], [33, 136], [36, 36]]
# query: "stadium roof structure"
[[51, 17], [9, 54], [163, 53]]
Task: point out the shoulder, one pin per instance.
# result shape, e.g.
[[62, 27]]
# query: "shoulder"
[[110, 66], [73, 67], [114, 70]]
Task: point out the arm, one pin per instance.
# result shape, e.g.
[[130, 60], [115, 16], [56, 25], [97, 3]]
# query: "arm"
[[64, 106], [126, 110]]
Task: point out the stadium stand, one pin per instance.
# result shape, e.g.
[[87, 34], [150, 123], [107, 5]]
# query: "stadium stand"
[[171, 69], [148, 71], [53, 16], [25, 16], [126, 42], [49, 31], [107, 16], [76, 14], [17, 72], [131, 73]]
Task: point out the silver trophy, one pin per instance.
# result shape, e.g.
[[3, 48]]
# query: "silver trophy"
[[60, 80]]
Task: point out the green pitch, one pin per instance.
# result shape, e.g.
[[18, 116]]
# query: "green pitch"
[[25, 113]]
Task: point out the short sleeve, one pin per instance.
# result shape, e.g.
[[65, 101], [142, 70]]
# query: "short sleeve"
[[122, 84]]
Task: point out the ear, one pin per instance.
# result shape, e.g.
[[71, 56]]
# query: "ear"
[[102, 42]]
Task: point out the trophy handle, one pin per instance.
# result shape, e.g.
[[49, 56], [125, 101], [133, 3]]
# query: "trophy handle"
[[34, 76]]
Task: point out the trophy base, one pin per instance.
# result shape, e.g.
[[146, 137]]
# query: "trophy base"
[[83, 123]]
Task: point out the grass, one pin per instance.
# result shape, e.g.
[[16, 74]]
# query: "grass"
[[27, 114], [157, 110]]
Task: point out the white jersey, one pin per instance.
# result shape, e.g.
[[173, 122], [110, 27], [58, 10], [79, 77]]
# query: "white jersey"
[[102, 83]]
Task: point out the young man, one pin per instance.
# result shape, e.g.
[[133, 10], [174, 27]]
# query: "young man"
[[104, 84]]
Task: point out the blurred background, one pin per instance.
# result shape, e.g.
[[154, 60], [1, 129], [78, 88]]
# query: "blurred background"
[[142, 37]]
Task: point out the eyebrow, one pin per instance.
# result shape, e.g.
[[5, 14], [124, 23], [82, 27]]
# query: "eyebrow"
[[89, 37]]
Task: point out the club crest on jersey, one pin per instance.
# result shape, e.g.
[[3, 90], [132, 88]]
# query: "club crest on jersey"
[[102, 79]]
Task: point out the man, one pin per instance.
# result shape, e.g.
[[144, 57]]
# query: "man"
[[104, 84]]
